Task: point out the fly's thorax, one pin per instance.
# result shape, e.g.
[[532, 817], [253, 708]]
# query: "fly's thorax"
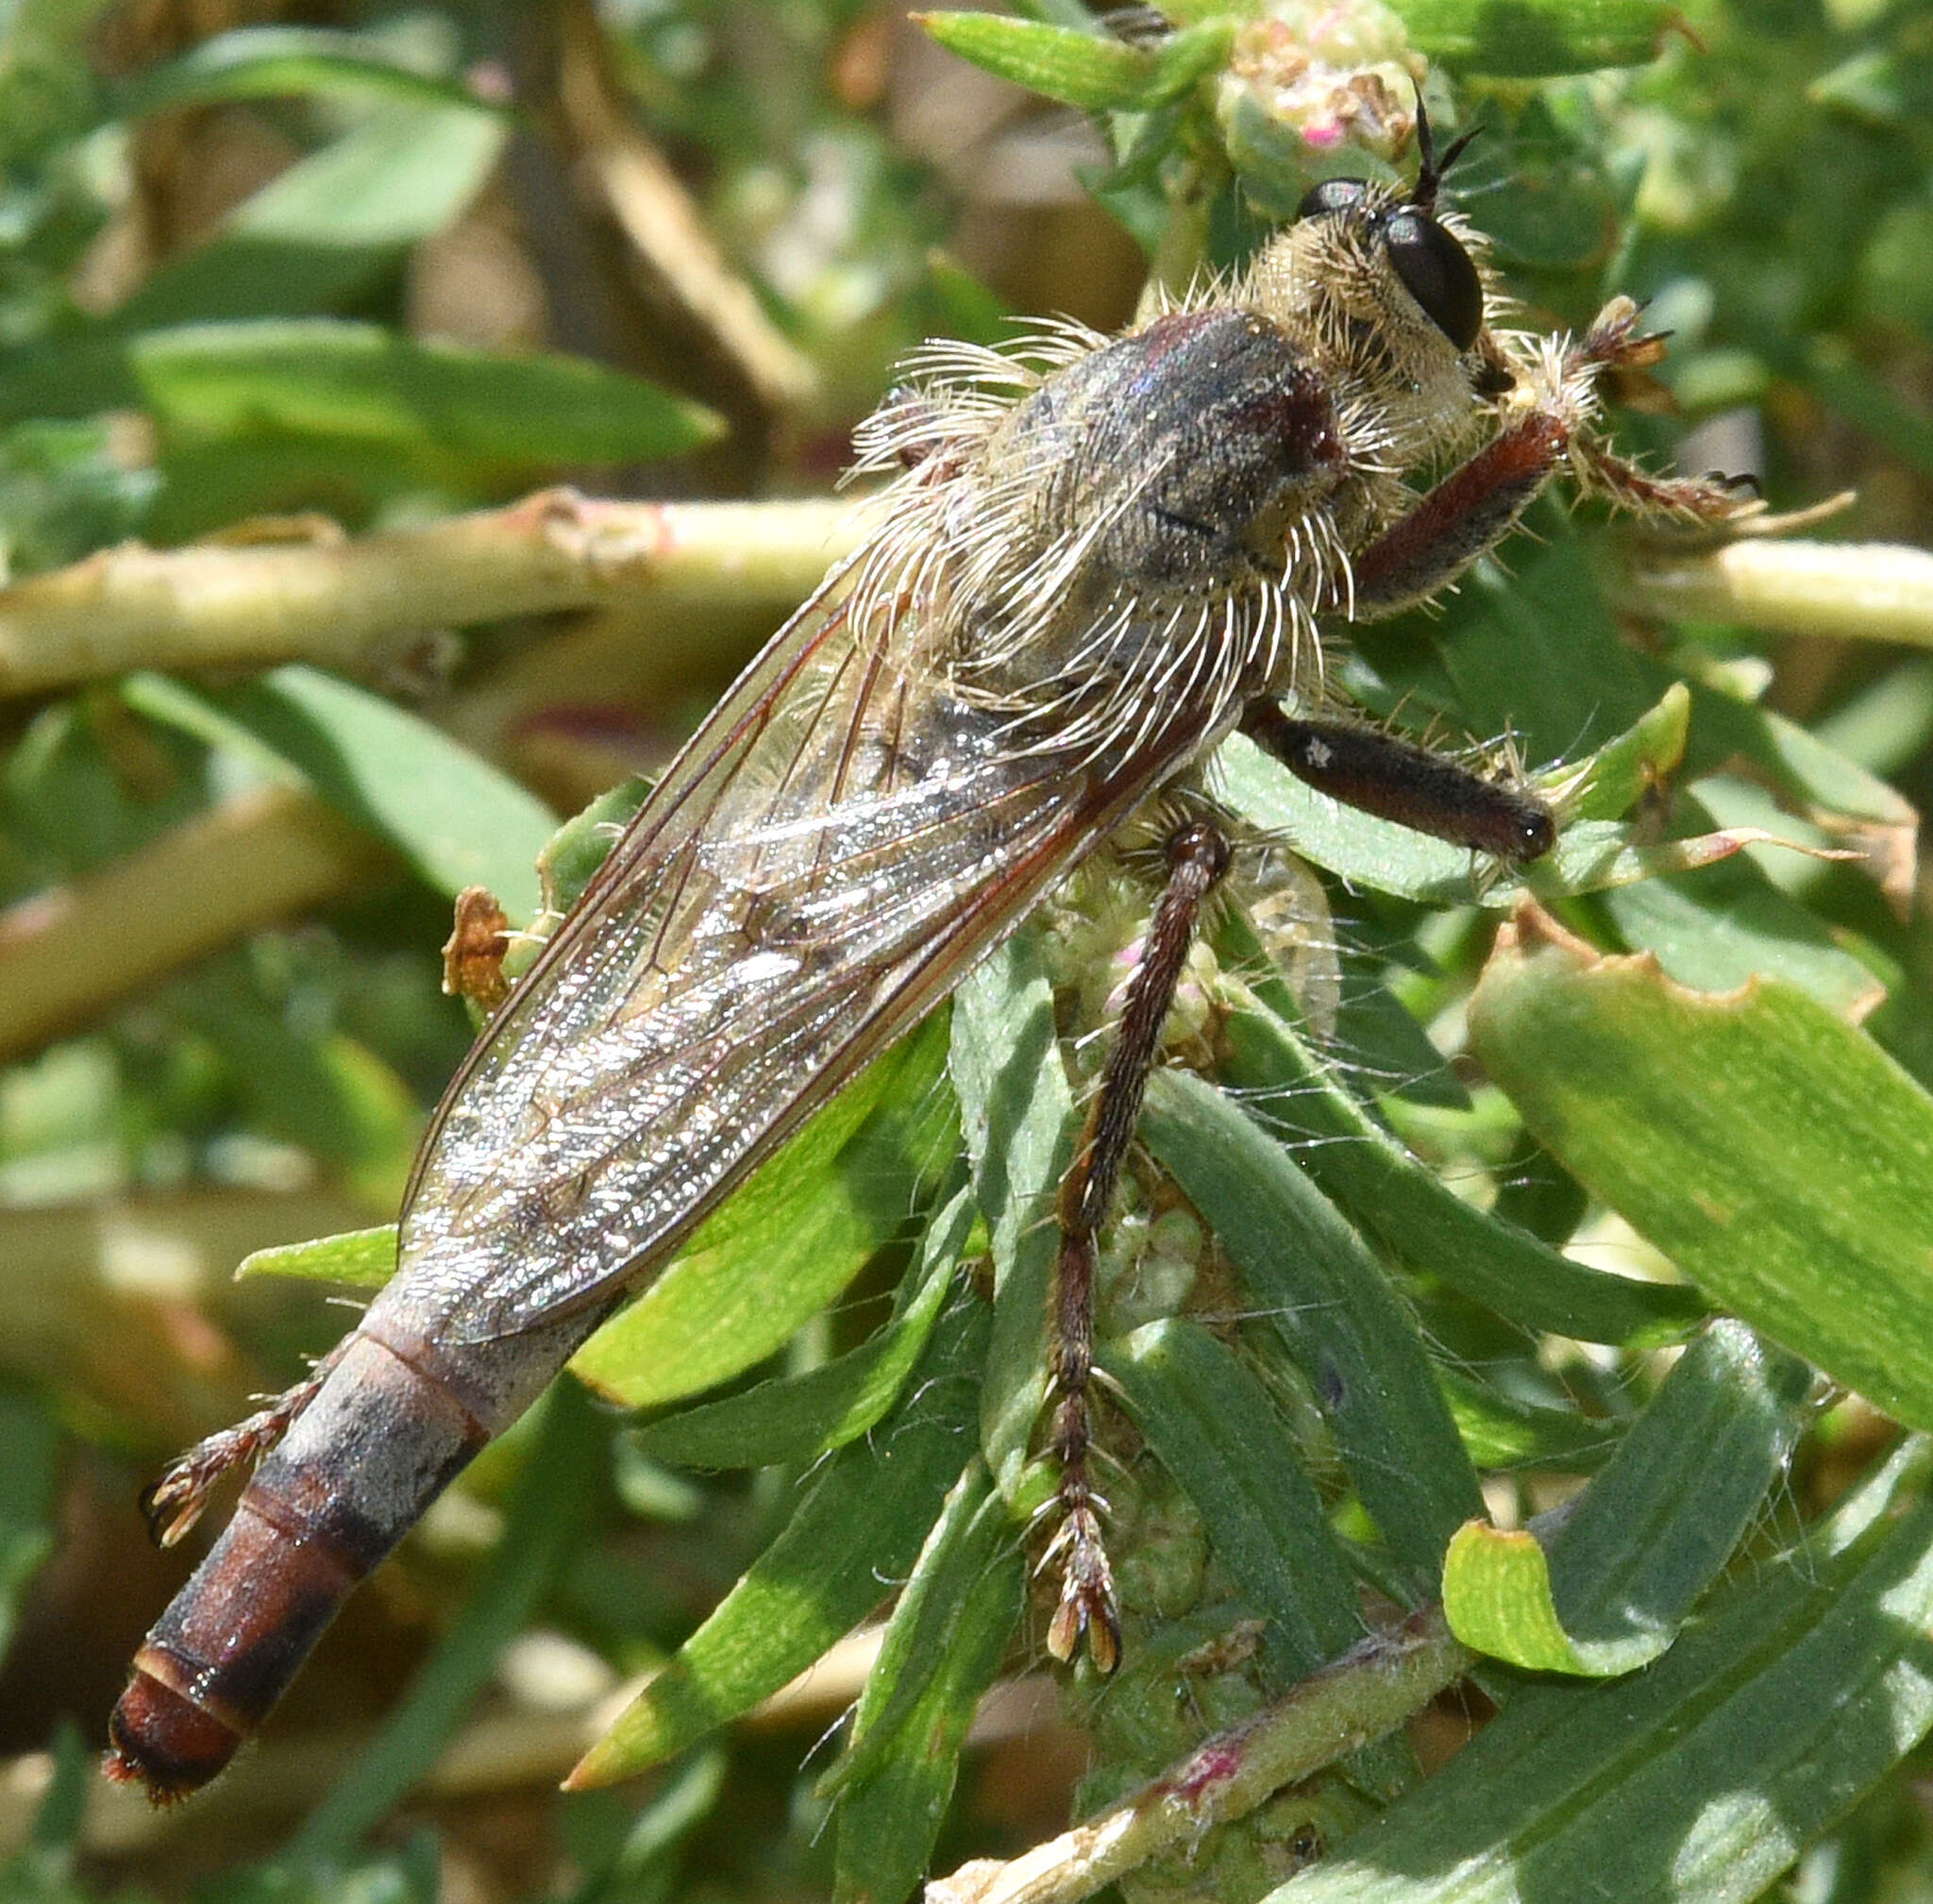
[[1144, 534], [1172, 460]]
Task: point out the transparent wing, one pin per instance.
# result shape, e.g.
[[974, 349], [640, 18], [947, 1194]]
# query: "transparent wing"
[[834, 847]]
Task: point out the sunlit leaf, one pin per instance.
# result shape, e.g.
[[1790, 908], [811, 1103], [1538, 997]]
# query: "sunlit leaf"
[[1770, 1148], [1333, 1305], [941, 1647], [773, 1255], [864, 1517], [1017, 1113], [433, 400], [1608, 1590], [1698, 1780], [265, 62]]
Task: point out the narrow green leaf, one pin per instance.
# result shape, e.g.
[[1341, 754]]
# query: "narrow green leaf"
[[1089, 69], [1728, 924], [1807, 772], [943, 1645], [332, 225], [793, 1418], [1535, 39], [1652, 1532], [551, 1501], [268, 62], [328, 379], [1419, 1220], [172, 704], [1017, 1115], [453, 817], [575, 852], [863, 1522], [1334, 1309], [774, 1254], [1214, 1428], [1698, 1780], [364, 1260], [1624, 770], [1769, 1148], [1499, 1432]]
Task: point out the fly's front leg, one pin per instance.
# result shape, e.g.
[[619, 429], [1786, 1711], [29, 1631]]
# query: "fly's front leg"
[[1550, 428], [1198, 856], [1395, 778]]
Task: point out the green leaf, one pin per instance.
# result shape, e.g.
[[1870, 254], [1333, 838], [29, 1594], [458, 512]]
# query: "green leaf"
[[1623, 770], [1534, 38], [575, 852], [1769, 1148], [1018, 1116], [431, 401], [1499, 1432], [268, 63], [1089, 69], [1652, 1532], [1730, 924], [793, 1418], [941, 1647], [1418, 1218], [1214, 1428], [364, 1260], [332, 225], [1698, 1780], [865, 1519], [1333, 1306], [777, 1251], [454, 817], [329, 1093]]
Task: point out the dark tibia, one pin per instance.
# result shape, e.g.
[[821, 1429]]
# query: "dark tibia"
[[1198, 857], [1395, 778]]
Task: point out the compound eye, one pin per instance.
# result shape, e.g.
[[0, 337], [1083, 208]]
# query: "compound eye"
[[1332, 195], [1436, 272]]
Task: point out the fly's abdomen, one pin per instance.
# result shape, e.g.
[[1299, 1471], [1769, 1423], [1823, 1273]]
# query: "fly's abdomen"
[[391, 1427]]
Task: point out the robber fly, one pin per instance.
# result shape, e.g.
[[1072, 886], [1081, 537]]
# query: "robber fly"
[[1098, 557]]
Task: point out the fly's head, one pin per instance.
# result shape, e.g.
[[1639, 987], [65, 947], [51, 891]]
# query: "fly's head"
[[1389, 293]]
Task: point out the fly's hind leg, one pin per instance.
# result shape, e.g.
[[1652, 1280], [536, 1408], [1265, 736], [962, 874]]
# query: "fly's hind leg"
[[173, 1505], [1198, 856]]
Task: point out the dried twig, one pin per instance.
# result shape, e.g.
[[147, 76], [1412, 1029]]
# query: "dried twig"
[[1369, 1690]]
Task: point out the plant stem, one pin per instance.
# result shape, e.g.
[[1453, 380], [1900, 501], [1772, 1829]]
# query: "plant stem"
[[250, 861], [332, 600], [1862, 591], [1368, 1692]]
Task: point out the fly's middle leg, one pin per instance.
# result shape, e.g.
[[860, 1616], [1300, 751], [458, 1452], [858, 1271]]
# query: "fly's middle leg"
[[1396, 778], [1198, 857]]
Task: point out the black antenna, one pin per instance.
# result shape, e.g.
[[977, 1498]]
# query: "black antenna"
[[1431, 170]]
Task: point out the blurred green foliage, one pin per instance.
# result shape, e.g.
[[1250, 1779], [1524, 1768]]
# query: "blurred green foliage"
[[344, 261]]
